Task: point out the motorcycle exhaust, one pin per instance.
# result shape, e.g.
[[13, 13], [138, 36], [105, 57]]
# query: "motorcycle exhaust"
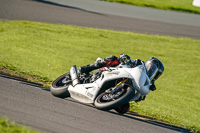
[[74, 75]]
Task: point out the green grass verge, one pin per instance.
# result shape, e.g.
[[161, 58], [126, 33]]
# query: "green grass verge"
[[174, 5], [7, 126], [48, 50]]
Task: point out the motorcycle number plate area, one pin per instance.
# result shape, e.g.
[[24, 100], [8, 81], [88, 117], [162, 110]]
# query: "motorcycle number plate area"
[[82, 93]]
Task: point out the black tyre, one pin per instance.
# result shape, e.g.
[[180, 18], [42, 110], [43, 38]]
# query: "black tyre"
[[59, 87], [104, 103]]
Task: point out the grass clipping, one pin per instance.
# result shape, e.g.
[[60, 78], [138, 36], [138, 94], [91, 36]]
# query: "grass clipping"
[[47, 51]]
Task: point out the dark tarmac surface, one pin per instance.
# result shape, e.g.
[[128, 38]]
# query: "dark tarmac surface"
[[149, 21], [34, 106]]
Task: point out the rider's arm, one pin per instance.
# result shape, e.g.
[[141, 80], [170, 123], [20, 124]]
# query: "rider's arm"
[[137, 62]]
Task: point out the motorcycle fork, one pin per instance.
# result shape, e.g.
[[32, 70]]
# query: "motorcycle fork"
[[123, 81], [117, 87]]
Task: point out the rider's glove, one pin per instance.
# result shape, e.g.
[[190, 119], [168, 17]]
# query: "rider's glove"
[[152, 87], [124, 59]]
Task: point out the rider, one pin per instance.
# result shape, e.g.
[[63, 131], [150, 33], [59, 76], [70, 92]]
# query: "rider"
[[153, 66], [110, 61]]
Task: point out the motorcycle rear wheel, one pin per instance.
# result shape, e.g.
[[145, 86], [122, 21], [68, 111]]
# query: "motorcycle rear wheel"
[[59, 87], [125, 97]]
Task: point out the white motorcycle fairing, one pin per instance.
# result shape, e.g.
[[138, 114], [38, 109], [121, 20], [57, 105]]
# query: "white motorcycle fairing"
[[87, 93]]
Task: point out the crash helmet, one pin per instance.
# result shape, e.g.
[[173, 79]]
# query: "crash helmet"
[[154, 68]]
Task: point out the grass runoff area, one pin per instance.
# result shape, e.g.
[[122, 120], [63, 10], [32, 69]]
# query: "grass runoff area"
[[174, 5], [7, 126], [46, 51]]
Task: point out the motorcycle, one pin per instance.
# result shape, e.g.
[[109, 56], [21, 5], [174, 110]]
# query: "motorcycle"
[[112, 88]]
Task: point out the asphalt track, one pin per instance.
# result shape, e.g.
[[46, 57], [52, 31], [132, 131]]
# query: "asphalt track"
[[98, 14], [34, 106]]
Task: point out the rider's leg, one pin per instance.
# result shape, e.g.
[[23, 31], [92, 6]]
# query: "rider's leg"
[[91, 67]]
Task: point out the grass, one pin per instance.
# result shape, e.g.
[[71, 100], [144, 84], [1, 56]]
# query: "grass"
[[174, 5], [7, 126], [47, 51]]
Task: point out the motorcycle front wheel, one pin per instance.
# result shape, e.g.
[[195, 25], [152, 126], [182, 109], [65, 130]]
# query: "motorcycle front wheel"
[[59, 87], [106, 101]]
